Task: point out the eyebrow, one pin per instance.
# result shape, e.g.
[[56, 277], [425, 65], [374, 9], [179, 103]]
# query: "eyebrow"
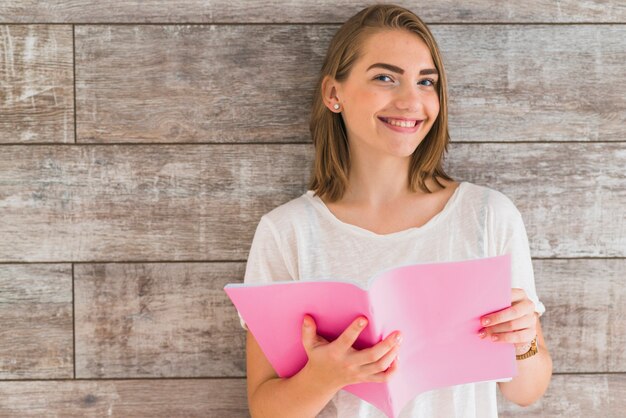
[[399, 70]]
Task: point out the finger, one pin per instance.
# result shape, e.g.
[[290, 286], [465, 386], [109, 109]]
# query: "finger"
[[518, 310], [386, 374], [376, 352], [351, 333], [515, 337], [308, 328], [527, 321], [382, 363], [310, 338], [517, 294]]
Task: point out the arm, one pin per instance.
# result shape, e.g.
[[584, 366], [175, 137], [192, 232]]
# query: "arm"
[[518, 325], [533, 377], [330, 367], [271, 396]]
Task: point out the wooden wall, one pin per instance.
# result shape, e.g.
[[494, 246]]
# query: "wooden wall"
[[139, 146]]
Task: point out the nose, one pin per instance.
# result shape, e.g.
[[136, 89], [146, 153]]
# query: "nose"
[[409, 98]]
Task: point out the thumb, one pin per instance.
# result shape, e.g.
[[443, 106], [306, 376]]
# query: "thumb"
[[310, 338], [308, 330]]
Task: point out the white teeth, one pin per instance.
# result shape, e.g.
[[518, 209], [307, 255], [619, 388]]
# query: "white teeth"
[[403, 124]]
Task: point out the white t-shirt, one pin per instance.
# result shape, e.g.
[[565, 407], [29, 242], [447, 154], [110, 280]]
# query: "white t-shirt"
[[303, 239]]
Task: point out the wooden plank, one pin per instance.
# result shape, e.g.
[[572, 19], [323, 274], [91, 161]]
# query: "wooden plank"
[[200, 11], [189, 398], [175, 320], [36, 340], [585, 307], [572, 395], [192, 83], [567, 395], [558, 189], [203, 202], [148, 203], [535, 83], [36, 84], [151, 320], [180, 84]]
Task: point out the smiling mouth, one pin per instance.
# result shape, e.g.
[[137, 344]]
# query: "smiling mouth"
[[401, 123]]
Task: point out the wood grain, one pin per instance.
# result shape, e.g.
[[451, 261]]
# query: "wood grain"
[[575, 396], [202, 202], [535, 83], [152, 320], [175, 320], [172, 398], [192, 122], [194, 83], [182, 84], [585, 314], [36, 339], [200, 11], [36, 83], [142, 203], [556, 184]]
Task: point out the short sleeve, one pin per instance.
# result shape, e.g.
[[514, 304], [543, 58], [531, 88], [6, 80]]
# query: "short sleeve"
[[266, 262], [509, 234]]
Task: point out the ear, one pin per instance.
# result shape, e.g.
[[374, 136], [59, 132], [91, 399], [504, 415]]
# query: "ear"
[[330, 90]]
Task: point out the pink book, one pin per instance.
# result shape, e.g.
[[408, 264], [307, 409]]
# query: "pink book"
[[436, 306]]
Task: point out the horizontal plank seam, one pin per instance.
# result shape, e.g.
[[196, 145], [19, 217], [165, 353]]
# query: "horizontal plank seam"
[[233, 261], [121, 262], [590, 23], [243, 377], [7, 144]]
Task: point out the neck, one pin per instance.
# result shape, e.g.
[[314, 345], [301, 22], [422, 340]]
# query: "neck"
[[378, 182]]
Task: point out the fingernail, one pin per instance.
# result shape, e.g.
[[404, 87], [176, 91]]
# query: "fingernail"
[[486, 321], [398, 338], [482, 334], [494, 338], [361, 322]]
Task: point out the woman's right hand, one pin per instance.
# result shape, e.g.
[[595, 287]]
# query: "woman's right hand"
[[338, 364]]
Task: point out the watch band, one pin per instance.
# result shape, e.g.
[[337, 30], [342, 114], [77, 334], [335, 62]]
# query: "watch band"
[[531, 352]]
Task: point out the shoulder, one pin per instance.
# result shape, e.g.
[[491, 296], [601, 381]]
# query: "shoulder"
[[290, 209], [495, 208], [503, 217], [287, 214], [496, 202]]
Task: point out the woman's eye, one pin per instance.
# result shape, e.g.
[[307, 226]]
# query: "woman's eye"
[[378, 77], [428, 82]]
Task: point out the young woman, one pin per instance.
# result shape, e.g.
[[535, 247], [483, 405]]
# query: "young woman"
[[379, 198]]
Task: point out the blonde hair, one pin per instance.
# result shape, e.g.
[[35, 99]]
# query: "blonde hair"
[[332, 159]]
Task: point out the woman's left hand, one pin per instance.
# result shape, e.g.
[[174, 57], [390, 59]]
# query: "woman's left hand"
[[517, 324]]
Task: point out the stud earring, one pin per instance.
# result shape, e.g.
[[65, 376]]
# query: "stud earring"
[[336, 106]]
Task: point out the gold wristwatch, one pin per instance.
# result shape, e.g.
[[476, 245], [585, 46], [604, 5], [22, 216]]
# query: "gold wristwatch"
[[531, 351]]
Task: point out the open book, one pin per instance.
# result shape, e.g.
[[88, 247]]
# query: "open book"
[[436, 306]]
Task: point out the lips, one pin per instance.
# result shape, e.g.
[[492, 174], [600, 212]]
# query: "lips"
[[403, 125], [386, 119], [399, 122]]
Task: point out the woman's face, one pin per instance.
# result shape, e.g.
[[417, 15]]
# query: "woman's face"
[[389, 101]]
